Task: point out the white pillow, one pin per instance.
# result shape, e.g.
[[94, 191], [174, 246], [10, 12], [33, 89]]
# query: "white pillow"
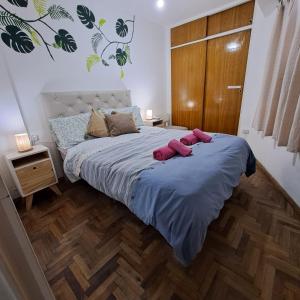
[[69, 131], [135, 110]]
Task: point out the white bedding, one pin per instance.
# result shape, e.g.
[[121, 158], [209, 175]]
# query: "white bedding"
[[118, 159]]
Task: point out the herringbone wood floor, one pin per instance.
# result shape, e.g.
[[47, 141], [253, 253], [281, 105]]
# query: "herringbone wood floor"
[[93, 248]]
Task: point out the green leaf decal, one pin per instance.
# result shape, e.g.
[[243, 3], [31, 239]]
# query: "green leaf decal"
[[122, 74], [20, 3], [86, 16], [121, 28], [35, 38], [121, 57], [56, 46], [56, 12], [127, 50], [96, 39], [17, 39], [92, 60], [111, 49], [102, 22], [8, 19], [40, 6], [65, 39]]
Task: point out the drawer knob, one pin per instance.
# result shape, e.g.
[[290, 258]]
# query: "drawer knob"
[[34, 168]]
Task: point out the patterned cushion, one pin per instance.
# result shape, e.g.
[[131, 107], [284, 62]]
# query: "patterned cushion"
[[135, 110], [69, 131]]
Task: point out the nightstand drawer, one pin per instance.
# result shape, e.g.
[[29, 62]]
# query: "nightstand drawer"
[[36, 176], [155, 123]]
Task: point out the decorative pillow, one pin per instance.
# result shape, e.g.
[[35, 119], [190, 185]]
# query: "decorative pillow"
[[135, 110], [97, 125], [69, 131], [120, 123]]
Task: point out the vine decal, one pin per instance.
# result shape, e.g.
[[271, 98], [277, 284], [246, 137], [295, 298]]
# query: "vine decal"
[[22, 35], [112, 50]]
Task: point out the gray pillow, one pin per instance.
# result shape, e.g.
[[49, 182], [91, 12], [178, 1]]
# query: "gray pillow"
[[135, 110], [121, 123]]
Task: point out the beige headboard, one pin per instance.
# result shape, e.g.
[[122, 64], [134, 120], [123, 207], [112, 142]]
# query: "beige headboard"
[[62, 104]]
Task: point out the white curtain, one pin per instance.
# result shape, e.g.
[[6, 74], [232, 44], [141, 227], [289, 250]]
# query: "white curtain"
[[278, 111]]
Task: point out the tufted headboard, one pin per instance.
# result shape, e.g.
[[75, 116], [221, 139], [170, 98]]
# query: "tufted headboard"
[[63, 104]]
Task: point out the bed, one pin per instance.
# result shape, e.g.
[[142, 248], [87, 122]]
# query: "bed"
[[179, 197]]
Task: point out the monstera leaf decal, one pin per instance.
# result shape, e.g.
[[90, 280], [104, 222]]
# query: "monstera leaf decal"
[[121, 28], [120, 53], [20, 3], [23, 36], [86, 16], [121, 57], [66, 41], [17, 39]]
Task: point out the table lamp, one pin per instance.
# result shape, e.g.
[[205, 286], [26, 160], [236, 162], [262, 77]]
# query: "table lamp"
[[23, 142], [149, 114]]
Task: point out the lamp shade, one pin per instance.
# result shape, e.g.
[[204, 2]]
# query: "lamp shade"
[[149, 114], [23, 142]]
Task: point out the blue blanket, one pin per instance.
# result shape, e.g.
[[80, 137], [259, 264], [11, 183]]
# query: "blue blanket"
[[182, 196]]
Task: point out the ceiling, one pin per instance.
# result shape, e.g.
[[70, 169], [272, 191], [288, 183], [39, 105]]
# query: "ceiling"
[[177, 11]]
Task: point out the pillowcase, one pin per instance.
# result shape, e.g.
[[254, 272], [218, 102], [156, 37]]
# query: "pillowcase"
[[69, 131], [120, 123], [135, 110], [97, 125]]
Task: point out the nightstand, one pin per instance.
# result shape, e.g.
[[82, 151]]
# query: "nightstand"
[[33, 171], [177, 127], [155, 123]]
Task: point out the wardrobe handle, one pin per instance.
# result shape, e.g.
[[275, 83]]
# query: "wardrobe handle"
[[234, 87]]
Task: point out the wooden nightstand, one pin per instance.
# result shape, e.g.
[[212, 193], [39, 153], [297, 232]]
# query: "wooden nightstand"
[[33, 171], [177, 127], [155, 123]]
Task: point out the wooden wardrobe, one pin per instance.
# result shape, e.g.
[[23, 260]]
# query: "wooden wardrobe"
[[209, 59]]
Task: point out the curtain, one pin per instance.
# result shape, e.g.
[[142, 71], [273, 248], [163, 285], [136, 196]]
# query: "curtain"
[[278, 110]]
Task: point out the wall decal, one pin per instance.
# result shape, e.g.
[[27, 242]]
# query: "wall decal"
[[22, 36], [120, 53]]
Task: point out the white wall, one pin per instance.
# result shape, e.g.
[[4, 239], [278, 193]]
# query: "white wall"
[[11, 123], [282, 165], [35, 72]]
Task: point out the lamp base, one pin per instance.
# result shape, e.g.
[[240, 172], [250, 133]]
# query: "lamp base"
[[26, 150]]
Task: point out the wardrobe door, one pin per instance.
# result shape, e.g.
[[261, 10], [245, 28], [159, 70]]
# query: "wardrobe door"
[[225, 75], [189, 32], [232, 18], [188, 79]]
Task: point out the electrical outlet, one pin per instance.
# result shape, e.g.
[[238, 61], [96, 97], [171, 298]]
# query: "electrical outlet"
[[246, 131]]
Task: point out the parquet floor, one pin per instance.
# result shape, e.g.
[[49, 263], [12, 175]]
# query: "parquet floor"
[[93, 248]]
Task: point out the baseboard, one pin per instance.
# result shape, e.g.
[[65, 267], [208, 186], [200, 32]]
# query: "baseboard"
[[288, 198]]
